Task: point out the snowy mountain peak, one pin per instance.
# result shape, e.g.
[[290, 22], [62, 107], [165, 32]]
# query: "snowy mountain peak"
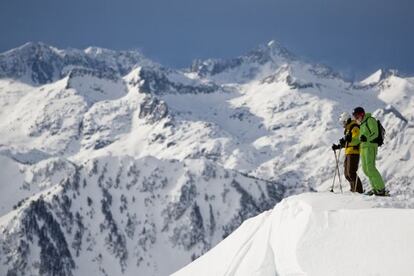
[[271, 43], [258, 63], [37, 63], [31, 48], [33, 62], [378, 76], [278, 51]]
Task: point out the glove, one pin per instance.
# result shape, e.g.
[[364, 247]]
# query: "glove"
[[363, 138], [336, 147], [348, 137], [342, 142]]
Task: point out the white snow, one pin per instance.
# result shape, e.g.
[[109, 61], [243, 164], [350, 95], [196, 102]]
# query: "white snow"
[[316, 234], [373, 78]]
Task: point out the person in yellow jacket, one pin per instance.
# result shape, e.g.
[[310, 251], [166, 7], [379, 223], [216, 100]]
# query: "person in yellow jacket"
[[351, 143]]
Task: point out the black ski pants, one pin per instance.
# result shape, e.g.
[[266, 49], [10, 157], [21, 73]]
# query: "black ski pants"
[[350, 170]]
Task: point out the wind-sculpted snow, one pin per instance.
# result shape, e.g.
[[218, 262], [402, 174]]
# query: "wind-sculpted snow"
[[142, 168], [316, 234]]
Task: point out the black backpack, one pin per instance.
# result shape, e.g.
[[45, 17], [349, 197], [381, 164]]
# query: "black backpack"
[[381, 133]]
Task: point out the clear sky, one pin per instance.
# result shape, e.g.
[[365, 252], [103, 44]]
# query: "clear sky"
[[353, 36]]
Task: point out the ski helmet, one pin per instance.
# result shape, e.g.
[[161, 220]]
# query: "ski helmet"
[[344, 117], [358, 110]]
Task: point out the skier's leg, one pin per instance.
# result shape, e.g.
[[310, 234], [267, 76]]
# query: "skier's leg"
[[354, 179], [364, 160], [359, 188], [374, 176], [347, 173], [364, 163]]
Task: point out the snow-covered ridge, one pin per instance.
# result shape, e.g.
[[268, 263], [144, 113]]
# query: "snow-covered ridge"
[[317, 234], [378, 76], [256, 64], [160, 81], [273, 52], [37, 63]]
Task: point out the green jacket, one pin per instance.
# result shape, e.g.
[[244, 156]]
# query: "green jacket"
[[368, 128]]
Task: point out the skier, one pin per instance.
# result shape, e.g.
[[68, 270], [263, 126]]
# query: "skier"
[[350, 142], [368, 133]]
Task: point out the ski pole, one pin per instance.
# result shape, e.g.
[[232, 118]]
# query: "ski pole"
[[337, 167], [333, 182], [356, 182]]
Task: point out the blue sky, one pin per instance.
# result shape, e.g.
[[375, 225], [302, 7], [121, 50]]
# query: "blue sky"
[[353, 36]]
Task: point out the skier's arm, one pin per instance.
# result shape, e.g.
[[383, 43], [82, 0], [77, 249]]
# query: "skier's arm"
[[355, 137], [342, 142], [373, 127]]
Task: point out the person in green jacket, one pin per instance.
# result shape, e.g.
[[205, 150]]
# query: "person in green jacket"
[[368, 150]]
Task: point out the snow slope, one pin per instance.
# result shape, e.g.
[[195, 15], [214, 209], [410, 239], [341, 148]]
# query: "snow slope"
[[317, 234]]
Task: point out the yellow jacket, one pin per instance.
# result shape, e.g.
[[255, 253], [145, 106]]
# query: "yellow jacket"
[[353, 146]]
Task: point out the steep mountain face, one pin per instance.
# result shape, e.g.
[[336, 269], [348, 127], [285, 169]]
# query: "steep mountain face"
[[37, 63], [161, 81], [116, 215], [119, 165]]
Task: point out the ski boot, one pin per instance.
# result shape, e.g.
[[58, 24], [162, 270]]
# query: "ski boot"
[[381, 192]]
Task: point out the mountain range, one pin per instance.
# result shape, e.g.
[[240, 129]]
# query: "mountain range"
[[113, 164]]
